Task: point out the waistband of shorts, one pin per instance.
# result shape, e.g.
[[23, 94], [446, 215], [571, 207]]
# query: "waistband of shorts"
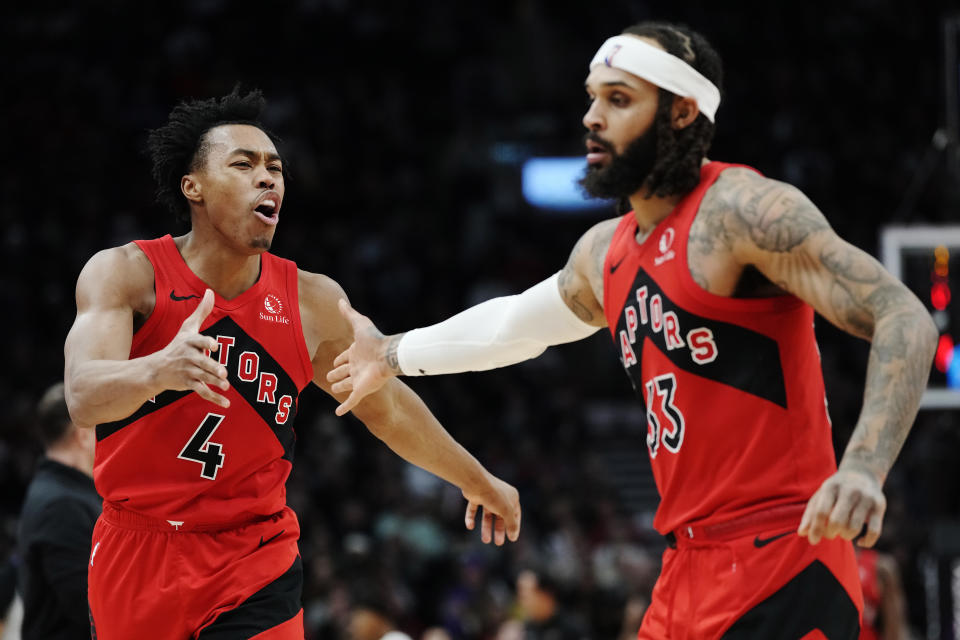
[[787, 515], [125, 519]]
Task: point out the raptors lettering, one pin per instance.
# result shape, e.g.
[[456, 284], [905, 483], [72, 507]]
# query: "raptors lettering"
[[248, 370], [649, 312]]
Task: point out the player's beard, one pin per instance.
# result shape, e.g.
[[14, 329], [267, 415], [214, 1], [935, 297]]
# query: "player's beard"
[[626, 172]]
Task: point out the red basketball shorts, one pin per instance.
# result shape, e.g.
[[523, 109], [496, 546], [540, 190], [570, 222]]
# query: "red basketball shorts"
[[755, 578], [169, 581]]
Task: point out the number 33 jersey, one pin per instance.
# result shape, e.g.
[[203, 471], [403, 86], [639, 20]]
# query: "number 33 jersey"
[[182, 458], [732, 388]]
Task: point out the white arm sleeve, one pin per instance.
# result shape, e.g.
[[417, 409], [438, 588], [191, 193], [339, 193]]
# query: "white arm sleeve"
[[495, 333]]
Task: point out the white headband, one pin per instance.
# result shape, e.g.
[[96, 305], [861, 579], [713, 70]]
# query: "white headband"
[[661, 68]]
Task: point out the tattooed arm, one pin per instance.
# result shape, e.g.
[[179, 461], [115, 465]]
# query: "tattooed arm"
[[581, 280], [775, 228]]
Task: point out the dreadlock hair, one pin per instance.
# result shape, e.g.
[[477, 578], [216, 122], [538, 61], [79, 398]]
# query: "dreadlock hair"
[[180, 146], [680, 151]]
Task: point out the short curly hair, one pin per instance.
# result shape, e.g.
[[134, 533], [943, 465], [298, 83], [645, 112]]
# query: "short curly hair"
[[180, 146], [680, 151]]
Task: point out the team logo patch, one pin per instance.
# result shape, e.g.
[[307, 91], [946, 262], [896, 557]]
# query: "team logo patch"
[[665, 246], [274, 310], [609, 59], [666, 239], [272, 304]]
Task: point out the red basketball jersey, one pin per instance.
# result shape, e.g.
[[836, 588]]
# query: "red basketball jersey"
[[182, 458], [733, 391]]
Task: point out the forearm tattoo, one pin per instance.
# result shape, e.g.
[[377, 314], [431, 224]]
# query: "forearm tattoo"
[[852, 290], [897, 371], [390, 354]]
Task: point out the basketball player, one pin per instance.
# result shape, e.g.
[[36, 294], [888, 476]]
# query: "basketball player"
[[708, 286], [188, 354]]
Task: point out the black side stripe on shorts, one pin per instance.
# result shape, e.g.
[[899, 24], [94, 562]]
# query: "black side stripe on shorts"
[[269, 607], [813, 599]]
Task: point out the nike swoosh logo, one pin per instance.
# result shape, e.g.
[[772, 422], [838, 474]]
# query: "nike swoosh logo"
[[174, 296], [614, 267], [270, 539], [759, 542]]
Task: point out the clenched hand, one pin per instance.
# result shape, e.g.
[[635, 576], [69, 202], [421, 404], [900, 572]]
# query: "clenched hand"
[[840, 507]]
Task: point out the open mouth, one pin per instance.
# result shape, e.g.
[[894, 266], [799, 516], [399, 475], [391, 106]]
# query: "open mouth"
[[268, 210], [596, 152]]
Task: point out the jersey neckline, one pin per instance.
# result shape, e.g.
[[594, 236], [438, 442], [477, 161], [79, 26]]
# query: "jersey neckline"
[[681, 217], [173, 253]]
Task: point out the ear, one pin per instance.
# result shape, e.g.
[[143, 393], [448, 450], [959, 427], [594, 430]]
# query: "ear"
[[191, 188], [684, 112]]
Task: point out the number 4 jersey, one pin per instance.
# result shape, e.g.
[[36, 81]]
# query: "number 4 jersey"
[[181, 458], [733, 390]]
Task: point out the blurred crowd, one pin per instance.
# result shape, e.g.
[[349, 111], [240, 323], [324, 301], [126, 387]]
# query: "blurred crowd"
[[404, 126]]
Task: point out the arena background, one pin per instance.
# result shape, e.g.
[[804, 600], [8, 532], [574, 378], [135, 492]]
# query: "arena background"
[[405, 125]]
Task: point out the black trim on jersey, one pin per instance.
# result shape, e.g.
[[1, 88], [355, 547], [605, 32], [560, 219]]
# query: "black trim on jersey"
[[285, 384], [248, 390], [746, 360], [162, 400], [269, 607], [813, 599]]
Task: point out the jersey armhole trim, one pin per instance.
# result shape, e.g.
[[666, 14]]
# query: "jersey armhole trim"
[[293, 293], [149, 249], [725, 304]]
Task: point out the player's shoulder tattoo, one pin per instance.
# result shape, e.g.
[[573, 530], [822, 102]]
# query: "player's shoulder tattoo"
[[588, 254], [601, 237], [773, 215], [584, 269]]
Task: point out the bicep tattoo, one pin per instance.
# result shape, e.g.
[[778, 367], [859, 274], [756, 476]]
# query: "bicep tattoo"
[[581, 280], [778, 217]]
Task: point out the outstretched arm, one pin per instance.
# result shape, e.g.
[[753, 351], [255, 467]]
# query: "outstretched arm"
[[495, 333], [777, 229], [398, 417], [102, 383]]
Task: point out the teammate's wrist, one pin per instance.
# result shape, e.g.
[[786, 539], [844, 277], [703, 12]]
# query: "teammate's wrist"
[[478, 482], [390, 359]]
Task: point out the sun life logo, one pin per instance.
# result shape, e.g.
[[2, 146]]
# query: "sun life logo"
[[272, 304], [274, 308]]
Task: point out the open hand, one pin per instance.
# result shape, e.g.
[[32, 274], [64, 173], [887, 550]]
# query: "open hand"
[[185, 364], [501, 512], [840, 507], [365, 366]]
